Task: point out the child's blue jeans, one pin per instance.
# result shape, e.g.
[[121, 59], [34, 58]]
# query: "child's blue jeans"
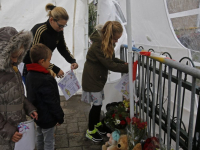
[[45, 138]]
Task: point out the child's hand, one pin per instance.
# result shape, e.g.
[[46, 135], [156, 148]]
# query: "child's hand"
[[57, 124], [16, 137], [34, 115]]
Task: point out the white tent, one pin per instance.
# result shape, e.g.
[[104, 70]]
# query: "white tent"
[[24, 14], [151, 28]]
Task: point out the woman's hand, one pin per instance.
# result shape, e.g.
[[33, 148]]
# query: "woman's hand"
[[16, 137], [60, 74], [74, 66]]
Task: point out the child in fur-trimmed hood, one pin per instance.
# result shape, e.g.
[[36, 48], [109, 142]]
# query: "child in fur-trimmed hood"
[[13, 104]]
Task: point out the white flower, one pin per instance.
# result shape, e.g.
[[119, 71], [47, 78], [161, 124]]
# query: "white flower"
[[117, 121]]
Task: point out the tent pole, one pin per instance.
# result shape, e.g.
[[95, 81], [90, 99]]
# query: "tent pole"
[[86, 28], [97, 21], [74, 18], [130, 60]]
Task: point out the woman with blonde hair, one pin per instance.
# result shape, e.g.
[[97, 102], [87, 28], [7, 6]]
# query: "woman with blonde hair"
[[100, 58], [50, 33]]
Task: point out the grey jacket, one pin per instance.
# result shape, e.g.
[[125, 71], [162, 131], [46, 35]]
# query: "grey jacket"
[[13, 104]]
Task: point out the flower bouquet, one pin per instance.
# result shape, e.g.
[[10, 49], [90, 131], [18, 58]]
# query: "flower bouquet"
[[116, 115], [136, 131], [152, 143]]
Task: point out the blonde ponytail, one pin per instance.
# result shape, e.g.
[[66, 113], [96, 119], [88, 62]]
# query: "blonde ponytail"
[[56, 13], [108, 31]]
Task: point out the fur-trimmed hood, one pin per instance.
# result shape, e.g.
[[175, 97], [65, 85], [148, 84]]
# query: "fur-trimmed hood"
[[11, 41]]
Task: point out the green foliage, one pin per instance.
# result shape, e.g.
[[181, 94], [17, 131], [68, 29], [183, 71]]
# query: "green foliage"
[[92, 18]]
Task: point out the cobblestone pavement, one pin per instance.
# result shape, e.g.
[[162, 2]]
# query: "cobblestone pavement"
[[71, 134]]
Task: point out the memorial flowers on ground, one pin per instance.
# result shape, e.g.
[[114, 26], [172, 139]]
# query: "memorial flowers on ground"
[[116, 115], [136, 131]]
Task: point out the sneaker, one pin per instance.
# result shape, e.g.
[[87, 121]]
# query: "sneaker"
[[100, 128], [94, 135]]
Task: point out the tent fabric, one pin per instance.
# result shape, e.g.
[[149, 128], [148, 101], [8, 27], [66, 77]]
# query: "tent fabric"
[[24, 14], [151, 29]]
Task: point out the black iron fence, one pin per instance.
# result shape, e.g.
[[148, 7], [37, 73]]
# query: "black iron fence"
[[168, 99]]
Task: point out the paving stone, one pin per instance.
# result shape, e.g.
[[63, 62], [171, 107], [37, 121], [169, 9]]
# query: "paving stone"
[[62, 98], [87, 115], [72, 128], [80, 114], [61, 141], [62, 126], [78, 139], [69, 111], [70, 119], [68, 115], [83, 126], [82, 119], [92, 147], [61, 131], [62, 104], [82, 123], [71, 134], [71, 148]]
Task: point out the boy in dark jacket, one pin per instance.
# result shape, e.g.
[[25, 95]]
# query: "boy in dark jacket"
[[42, 92]]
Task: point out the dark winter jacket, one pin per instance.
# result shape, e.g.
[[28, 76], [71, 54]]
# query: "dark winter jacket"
[[96, 66], [45, 34], [13, 104], [42, 92]]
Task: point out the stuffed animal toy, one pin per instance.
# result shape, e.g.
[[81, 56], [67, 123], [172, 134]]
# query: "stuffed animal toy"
[[122, 144], [113, 138], [138, 146]]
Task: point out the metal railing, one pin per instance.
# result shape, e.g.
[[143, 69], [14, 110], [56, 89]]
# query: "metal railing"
[[168, 100]]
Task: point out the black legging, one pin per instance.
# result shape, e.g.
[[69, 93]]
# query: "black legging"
[[94, 116]]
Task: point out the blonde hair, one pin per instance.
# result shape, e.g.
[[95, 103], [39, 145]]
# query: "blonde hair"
[[57, 13], [110, 29]]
